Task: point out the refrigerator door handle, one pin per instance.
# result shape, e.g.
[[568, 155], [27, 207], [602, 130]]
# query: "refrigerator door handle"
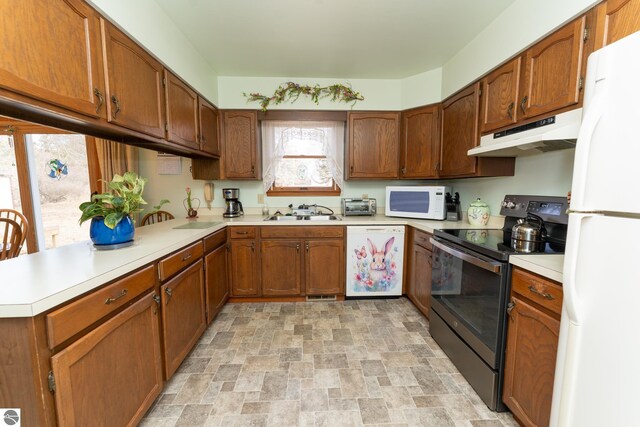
[[569, 285], [585, 136]]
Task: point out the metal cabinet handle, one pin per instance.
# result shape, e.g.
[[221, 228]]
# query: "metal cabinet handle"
[[298, 248], [242, 232], [510, 110], [523, 103], [404, 170], [253, 169], [156, 298], [100, 97], [169, 293], [307, 246], [117, 297], [351, 168], [184, 258], [253, 246], [545, 295], [510, 307], [116, 102]]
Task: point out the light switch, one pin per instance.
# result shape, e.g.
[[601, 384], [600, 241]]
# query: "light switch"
[[260, 199]]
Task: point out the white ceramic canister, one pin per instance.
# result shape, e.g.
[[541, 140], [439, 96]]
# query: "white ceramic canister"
[[478, 213]]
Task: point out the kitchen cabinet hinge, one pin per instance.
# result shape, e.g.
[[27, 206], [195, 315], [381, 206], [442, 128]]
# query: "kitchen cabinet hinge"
[[580, 83], [51, 381], [585, 35], [480, 92], [164, 82], [166, 127]]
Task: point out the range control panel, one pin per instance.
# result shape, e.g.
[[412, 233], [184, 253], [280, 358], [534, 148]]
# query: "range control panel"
[[549, 208]]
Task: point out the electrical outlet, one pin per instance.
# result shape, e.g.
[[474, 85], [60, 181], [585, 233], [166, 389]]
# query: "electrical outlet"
[[261, 199], [365, 196]]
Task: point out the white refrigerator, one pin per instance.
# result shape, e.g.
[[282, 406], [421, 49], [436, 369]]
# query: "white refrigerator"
[[375, 261], [597, 379]]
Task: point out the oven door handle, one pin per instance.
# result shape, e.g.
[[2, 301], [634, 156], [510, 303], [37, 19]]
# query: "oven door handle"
[[478, 262]]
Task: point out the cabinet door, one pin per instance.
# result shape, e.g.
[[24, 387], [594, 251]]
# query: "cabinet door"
[[420, 145], [134, 84], [209, 138], [532, 344], [183, 316], [459, 132], [182, 112], [217, 285], [240, 143], [324, 267], [617, 19], [552, 71], [373, 145], [500, 97], [244, 269], [419, 288], [112, 375], [280, 267], [51, 51]]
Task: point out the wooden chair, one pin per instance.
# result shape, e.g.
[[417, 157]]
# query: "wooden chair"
[[11, 234], [157, 216], [20, 219]]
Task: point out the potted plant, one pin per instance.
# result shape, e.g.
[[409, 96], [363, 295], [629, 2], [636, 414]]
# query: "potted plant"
[[110, 212]]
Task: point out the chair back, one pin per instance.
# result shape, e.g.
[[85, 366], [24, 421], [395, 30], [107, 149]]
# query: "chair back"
[[11, 237], [20, 219], [157, 216]]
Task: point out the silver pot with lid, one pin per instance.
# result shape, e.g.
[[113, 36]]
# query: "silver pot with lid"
[[529, 234]]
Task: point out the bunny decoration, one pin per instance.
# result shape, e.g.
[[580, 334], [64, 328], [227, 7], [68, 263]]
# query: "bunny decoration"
[[378, 273]]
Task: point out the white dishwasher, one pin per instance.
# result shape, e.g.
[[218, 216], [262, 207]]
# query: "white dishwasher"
[[375, 260]]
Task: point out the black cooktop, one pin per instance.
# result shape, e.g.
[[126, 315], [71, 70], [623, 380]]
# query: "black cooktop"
[[495, 243]]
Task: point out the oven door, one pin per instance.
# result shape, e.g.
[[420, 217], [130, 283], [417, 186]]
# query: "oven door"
[[468, 291]]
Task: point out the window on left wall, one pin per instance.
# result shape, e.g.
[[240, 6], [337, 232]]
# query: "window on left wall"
[[302, 157]]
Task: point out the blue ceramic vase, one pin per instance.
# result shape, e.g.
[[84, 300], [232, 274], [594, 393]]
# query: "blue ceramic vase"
[[102, 235]]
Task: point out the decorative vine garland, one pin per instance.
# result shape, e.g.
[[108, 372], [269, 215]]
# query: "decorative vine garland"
[[291, 92]]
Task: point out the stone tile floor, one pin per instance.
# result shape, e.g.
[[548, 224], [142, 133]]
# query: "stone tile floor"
[[352, 363]]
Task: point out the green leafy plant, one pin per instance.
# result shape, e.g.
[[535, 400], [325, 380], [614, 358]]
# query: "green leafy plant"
[[157, 207], [124, 198], [291, 91]]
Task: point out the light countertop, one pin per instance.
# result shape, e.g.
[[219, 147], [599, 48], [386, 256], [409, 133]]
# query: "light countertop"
[[32, 284]]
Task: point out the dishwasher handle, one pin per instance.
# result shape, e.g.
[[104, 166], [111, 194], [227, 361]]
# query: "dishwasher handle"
[[494, 267]]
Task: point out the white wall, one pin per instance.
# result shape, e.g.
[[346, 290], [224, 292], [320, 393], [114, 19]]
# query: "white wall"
[[148, 23], [520, 25], [421, 89]]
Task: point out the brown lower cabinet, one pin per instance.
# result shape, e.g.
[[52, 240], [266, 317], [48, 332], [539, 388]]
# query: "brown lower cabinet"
[[244, 258], [419, 270], [183, 315], [532, 343], [280, 267], [216, 277], [111, 376], [324, 267]]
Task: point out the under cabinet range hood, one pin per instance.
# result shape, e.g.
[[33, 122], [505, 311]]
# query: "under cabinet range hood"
[[552, 133]]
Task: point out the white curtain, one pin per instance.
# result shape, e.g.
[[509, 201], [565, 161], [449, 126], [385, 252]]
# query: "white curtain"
[[274, 135]]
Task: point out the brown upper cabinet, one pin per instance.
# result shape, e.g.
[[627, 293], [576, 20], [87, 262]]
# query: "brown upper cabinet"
[[241, 159], [134, 84], [419, 143], [182, 112], [500, 96], [59, 64], [459, 132], [616, 19], [552, 68], [209, 126], [373, 144]]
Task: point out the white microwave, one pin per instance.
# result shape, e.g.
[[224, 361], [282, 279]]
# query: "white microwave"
[[419, 201]]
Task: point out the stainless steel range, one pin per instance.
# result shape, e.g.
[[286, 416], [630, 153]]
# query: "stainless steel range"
[[470, 289]]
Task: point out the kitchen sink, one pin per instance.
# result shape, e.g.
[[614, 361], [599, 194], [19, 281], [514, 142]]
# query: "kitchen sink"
[[303, 218]]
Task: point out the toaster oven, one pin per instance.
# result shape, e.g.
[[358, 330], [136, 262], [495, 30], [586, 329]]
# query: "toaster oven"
[[358, 207]]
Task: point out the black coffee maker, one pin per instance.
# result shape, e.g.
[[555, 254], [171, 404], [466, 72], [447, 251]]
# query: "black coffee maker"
[[233, 207]]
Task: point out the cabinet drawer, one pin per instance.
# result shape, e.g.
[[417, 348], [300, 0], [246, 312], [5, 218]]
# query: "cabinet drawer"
[[179, 260], [214, 240], [64, 323], [535, 288], [303, 232], [242, 232], [422, 238]]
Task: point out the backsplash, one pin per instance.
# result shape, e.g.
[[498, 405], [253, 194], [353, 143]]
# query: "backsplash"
[[546, 174]]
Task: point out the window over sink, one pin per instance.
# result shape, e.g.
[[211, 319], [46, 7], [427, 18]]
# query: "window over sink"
[[302, 157]]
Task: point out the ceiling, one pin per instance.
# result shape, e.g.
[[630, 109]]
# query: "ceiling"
[[378, 39]]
